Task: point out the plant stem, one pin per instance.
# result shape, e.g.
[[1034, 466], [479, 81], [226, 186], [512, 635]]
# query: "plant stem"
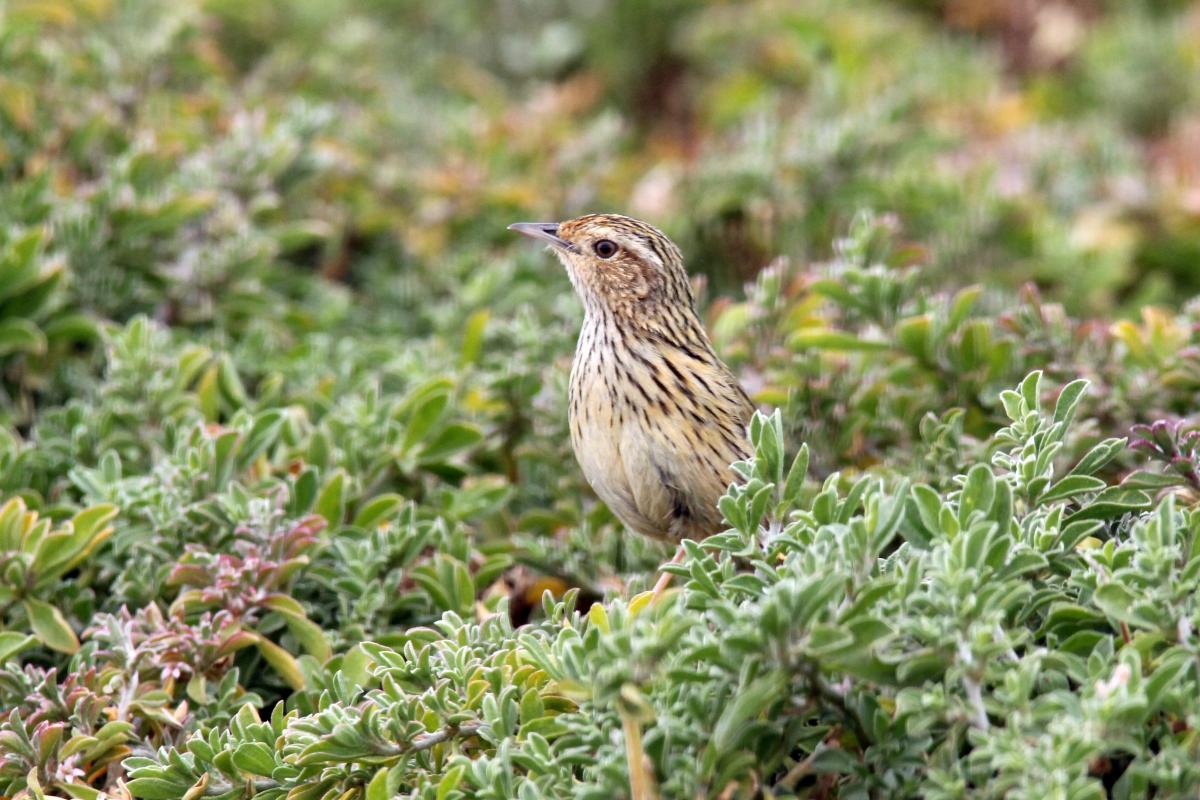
[[641, 783], [428, 740], [804, 767]]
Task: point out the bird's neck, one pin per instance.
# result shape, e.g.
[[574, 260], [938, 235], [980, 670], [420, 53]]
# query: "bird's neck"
[[648, 323]]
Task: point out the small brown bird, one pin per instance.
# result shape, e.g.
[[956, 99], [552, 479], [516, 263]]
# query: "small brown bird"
[[656, 418]]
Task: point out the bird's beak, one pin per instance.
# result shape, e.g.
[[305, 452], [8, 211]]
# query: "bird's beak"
[[546, 231]]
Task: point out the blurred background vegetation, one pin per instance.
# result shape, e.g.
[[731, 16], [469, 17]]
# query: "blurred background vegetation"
[[256, 291]]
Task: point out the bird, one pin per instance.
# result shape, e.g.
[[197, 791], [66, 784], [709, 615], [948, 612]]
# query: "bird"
[[657, 419]]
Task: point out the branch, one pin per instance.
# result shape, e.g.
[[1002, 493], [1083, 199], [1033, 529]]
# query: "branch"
[[428, 740], [803, 768]]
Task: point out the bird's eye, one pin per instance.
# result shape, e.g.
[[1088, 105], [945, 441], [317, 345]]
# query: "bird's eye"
[[605, 248]]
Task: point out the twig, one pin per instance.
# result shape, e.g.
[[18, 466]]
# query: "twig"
[[975, 697], [803, 768], [425, 741], [428, 740], [641, 783], [222, 788]]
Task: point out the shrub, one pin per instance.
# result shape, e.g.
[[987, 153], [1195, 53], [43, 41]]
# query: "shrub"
[[869, 632], [287, 505]]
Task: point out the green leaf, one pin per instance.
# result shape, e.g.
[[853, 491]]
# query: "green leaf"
[[1065, 619], [1115, 600], [331, 502], [795, 477], [224, 458], [255, 758], [747, 703], [918, 668], [378, 509], [1152, 481], [318, 449], [12, 642], [975, 345], [284, 605], [732, 511], [20, 269], [1167, 529], [260, 437], [1099, 456], [1022, 563], [427, 413], [21, 336], [1030, 390], [61, 552], [451, 440], [88, 521], [283, 662], [1172, 666], [1014, 405], [449, 782], [1073, 533], [977, 494], [918, 531], [825, 339], [824, 639], [1110, 503], [378, 788], [853, 499], [156, 789], [835, 761], [80, 791], [1071, 486], [50, 627], [961, 307], [77, 328], [472, 343], [304, 492], [356, 664], [1081, 642], [310, 636], [301, 233], [229, 384], [915, 335], [1002, 506], [837, 292], [1068, 401], [448, 583]]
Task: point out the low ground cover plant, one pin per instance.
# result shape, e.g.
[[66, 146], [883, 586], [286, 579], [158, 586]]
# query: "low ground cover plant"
[[287, 506]]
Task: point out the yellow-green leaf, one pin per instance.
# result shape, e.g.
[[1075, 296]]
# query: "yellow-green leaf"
[[283, 662], [50, 627], [12, 642]]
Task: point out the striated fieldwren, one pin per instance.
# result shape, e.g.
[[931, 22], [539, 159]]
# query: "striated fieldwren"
[[656, 418]]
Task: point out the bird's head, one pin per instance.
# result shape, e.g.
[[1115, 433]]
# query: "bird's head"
[[617, 264]]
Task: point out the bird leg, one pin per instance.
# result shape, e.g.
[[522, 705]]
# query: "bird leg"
[[664, 580]]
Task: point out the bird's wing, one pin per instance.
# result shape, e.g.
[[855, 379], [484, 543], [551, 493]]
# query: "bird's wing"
[[654, 488], [677, 471]]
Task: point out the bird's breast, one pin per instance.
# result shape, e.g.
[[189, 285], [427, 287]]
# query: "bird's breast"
[[654, 431], [599, 414]]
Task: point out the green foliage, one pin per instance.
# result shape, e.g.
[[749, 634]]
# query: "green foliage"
[[287, 502], [856, 630], [34, 559], [36, 331]]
